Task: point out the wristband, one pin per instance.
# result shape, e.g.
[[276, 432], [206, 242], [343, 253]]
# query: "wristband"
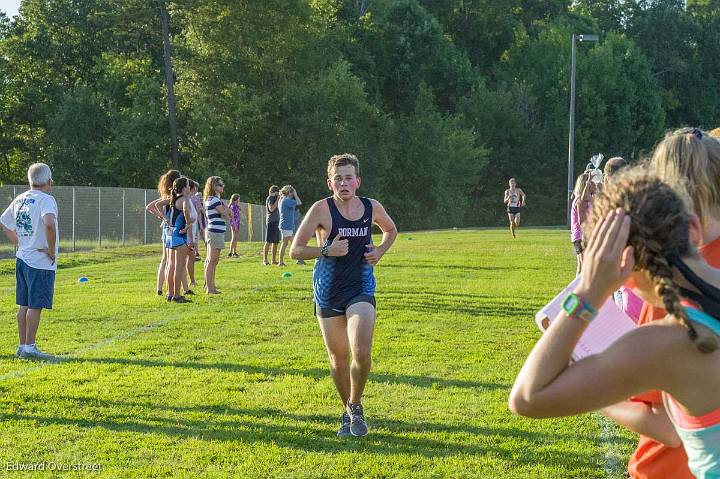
[[324, 250], [576, 308]]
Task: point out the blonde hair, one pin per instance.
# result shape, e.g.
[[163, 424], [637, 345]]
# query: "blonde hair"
[[342, 160], [273, 189], [579, 184], [210, 185], [659, 229], [286, 190], [234, 197], [690, 159]]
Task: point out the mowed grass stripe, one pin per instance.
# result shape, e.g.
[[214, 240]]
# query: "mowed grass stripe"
[[237, 385]]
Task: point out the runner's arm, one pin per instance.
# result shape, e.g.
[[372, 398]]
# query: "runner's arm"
[[387, 226], [523, 197], [310, 223], [650, 420], [506, 197]]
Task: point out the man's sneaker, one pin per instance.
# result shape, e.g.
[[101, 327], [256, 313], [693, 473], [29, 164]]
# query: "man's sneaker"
[[358, 427], [344, 430], [19, 350], [32, 352]]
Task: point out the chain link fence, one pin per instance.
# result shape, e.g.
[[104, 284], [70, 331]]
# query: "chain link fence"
[[105, 217]]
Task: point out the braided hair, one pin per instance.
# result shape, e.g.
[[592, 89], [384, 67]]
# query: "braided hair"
[[659, 228], [177, 187]]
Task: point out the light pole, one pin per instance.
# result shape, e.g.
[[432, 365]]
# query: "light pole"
[[571, 135]]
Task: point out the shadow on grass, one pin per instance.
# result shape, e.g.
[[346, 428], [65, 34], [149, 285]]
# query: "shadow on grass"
[[412, 265], [314, 373], [314, 433]]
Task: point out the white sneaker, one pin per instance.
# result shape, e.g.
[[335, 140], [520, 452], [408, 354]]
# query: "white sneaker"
[[19, 350], [32, 352]]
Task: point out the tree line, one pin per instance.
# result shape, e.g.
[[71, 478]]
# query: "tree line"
[[442, 101]]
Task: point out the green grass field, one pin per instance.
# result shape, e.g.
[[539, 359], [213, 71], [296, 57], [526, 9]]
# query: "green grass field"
[[237, 385]]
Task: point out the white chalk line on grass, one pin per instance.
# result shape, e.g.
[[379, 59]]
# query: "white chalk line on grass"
[[607, 437], [105, 342], [92, 347]]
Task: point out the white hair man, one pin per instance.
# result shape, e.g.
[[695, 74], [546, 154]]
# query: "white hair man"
[[30, 223]]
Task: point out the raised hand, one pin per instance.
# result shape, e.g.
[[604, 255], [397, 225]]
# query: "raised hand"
[[607, 260]]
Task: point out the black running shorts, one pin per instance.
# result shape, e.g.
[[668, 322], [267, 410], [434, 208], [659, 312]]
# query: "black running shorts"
[[340, 310]]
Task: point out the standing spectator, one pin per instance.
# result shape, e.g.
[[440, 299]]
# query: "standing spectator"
[[288, 201], [30, 223], [178, 240], [579, 212], [164, 186], [200, 224], [216, 214], [272, 230], [193, 235], [234, 224]]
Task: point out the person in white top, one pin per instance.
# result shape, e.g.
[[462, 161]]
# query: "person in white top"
[[30, 223], [193, 236]]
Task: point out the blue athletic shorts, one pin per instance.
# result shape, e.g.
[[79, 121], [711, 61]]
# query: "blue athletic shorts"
[[34, 288]]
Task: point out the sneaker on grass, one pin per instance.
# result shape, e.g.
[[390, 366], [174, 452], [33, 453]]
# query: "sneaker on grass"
[[32, 352], [344, 430], [358, 427]]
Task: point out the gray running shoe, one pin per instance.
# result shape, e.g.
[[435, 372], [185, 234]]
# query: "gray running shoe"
[[18, 351], [344, 430], [358, 427], [32, 352]]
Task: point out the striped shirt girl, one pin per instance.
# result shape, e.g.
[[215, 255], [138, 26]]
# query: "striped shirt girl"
[[215, 221]]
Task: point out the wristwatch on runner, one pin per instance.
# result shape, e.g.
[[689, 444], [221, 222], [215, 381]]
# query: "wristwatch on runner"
[[324, 250]]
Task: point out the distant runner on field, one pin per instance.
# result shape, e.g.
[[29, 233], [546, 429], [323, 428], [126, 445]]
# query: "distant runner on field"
[[514, 200]]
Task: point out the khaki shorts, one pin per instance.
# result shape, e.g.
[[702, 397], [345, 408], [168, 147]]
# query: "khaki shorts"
[[215, 240]]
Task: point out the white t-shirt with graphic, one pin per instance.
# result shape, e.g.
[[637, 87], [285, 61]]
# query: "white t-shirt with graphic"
[[24, 217]]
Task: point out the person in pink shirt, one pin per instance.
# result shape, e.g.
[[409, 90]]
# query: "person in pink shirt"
[[582, 202], [234, 224]]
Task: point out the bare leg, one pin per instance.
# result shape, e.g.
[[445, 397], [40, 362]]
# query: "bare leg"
[[161, 271], [180, 276], [32, 321], [360, 328], [234, 240], [512, 225], [517, 220], [172, 286], [285, 243], [190, 265], [213, 259], [334, 331], [266, 250], [274, 253], [22, 323]]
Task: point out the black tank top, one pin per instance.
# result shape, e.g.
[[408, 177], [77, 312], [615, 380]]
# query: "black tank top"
[[358, 233]]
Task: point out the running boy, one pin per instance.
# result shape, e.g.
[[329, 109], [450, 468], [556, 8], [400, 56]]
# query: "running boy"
[[514, 200], [343, 281], [30, 223]]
